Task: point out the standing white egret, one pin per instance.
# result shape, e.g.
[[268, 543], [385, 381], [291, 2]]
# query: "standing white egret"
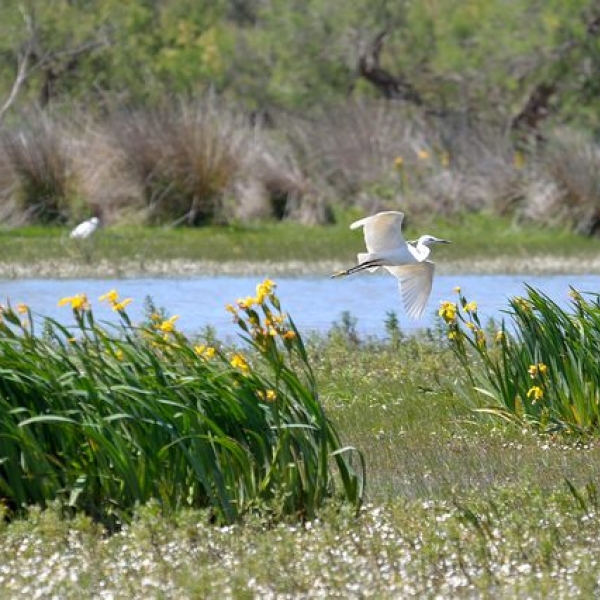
[[408, 261], [85, 229]]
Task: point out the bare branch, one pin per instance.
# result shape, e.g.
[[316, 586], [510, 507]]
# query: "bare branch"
[[31, 59], [23, 64], [391, 86], [537, 106], [22, 73]]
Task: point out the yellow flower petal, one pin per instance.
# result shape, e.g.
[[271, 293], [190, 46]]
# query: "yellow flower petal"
[[112, 296], [168, 326], [238, 361], [77, 302], [535, 393], [120, 306], [471, 307], [64, 301]]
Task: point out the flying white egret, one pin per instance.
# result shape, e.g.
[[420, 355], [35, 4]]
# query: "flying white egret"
[[85, 229], [408, 261]]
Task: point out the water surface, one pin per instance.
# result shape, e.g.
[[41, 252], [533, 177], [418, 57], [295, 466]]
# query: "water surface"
[[315, 303]]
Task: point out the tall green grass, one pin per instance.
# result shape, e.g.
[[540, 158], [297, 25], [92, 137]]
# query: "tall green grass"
[[109, 417], [540, 367]]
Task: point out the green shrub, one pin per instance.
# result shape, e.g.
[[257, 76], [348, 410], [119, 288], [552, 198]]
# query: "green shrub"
[[541, 367], [108, 419]]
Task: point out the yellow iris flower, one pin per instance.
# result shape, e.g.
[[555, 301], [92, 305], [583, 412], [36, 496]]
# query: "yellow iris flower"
[[263, 290], [269, 395], [112, 296], [448, 311], [535, 393], [471, 307], [206, 352], [239, 362], [534, 370], [77, 302], [120, 306], [168, 326]]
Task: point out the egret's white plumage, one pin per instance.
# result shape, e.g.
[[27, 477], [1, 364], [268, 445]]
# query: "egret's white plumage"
[[85, 229], [408, 262]]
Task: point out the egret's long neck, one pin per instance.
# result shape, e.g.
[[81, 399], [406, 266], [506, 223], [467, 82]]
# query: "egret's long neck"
[[421, 251]]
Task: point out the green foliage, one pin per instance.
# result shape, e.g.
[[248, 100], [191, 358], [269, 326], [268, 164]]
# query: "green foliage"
[[107, 420], [393, 329], [456, 507], [346, 328], [478, 57], [540, 368]]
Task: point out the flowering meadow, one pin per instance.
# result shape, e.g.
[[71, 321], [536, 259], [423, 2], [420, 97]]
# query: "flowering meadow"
[[104, 417], [196, 469]]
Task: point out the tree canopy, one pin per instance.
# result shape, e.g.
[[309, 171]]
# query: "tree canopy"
[[488, 58]]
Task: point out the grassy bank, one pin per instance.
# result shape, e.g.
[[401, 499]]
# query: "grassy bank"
[[481, 243], [457, 505]]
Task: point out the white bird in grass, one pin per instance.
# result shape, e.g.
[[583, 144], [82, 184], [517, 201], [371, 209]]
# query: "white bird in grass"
[[408, 261], [85, 229]]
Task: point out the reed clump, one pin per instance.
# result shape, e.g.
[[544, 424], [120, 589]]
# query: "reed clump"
[[105, 418], [539, 368]]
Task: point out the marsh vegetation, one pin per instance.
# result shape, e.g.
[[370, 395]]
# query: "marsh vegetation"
[[458, 501], [139, 462]]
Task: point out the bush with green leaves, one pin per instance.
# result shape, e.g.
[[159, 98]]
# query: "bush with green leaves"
[[539, 368], [107, 417]]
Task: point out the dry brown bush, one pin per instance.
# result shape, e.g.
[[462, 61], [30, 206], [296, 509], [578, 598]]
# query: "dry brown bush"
[[36, 159], [571, 162], [381, 155], [206, 163]]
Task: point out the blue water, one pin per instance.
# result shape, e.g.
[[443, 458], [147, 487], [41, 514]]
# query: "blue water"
[[315, 303]]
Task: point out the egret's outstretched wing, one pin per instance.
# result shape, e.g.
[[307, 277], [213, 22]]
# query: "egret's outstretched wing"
[[383, 231], [415, 282]]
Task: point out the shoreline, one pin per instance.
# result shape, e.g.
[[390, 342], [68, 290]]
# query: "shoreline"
[[181, 268]]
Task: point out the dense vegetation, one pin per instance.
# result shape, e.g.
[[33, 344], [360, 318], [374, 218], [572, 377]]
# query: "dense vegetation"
[[479, 440], [107, 420], [538, 368], [458, 502], [471, 58], [184, 112]]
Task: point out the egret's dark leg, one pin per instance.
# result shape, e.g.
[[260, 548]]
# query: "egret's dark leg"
[[370, 264]]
